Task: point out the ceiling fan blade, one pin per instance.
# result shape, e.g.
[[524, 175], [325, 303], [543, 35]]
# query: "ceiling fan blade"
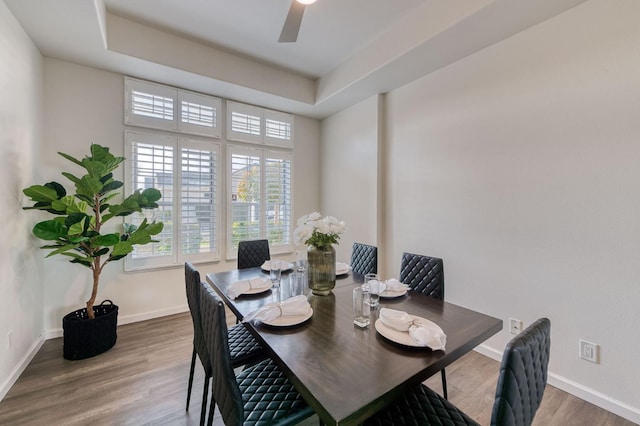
[[291, 25]]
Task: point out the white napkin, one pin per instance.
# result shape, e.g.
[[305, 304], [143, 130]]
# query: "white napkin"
[[393, 284], [294, 306], [241, 287], [422, 333], [341, 266]]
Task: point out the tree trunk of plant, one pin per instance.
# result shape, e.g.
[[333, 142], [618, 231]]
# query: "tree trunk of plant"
[[94, 291]]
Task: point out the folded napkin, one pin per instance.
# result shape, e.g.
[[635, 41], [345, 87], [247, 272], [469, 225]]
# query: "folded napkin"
[[241, 287], [294, 306], [393, 284], [421, 332], [341, 266]]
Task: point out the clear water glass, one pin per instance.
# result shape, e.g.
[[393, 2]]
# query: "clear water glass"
[[372, 285], [275, 273], [361, 308]]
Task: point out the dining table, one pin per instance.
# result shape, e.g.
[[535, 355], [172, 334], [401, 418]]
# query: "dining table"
[[344, 372]]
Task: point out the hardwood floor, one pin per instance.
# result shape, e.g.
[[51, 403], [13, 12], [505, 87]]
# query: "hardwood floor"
[[143, 381]]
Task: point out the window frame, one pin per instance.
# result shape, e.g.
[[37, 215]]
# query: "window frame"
[[263, 153], [176, 257]]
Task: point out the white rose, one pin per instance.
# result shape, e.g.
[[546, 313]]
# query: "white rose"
[[314, 216]]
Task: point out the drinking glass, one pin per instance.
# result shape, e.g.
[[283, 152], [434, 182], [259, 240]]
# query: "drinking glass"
[[297, 284], [275, 273], [301, 260], [372, 285], [361, 308]]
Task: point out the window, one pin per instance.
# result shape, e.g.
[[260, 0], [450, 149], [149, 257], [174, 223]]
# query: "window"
[[260, 191], [247, 123], [166, 108], [186, 172]]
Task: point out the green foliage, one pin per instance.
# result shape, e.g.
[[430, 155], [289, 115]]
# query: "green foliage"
[[75, 231]]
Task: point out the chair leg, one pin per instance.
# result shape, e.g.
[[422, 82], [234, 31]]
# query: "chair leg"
[[191, 371], [444, 384], [212, 409], [205, 393]]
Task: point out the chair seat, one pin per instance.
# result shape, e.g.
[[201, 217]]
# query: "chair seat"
[[421, 406], [243, 347], [269, 397]]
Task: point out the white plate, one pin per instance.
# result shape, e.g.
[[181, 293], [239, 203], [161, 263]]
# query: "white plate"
[[284, 265], [342, 268], [289, 320], [388, 294], [402, 337], [259, 289]]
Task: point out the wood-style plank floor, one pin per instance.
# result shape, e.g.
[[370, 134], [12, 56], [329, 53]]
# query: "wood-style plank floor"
[[143, 381]]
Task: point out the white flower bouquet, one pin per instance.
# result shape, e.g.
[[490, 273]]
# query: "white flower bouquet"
[[315, 230]]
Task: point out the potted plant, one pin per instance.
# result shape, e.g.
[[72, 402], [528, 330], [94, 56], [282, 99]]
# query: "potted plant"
[[77, 232]]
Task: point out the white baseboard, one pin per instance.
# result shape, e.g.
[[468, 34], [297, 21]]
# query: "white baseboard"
[[580, 391], [24, 362], [128, 319]]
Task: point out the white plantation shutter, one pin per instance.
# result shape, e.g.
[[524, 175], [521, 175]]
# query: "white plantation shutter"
[[186, 173], [199, 114], [278, 129], [244, 122], [198, 202], [166, 108], [245, 194], [150, 105], [260, 198], [278, 194]]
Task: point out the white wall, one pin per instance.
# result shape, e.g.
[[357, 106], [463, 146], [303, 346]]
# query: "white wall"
[[520, 166], [349, 159], [85, 105], [20, 143]]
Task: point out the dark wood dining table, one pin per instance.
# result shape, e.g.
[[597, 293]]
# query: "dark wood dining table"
[[347, 373]]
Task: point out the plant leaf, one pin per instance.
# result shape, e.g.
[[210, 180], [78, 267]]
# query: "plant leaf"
[[106, 240], [49, 230]]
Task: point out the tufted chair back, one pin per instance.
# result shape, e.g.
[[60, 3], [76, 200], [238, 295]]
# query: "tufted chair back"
[[523, 376], [423, 274], [225, 388], [364, 259], [192, 282], [252, 253]]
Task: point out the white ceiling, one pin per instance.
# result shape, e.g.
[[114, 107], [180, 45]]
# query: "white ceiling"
[[347, 50]]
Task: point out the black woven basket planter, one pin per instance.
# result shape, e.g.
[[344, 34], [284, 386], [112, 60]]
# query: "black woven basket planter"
[[84, 338]]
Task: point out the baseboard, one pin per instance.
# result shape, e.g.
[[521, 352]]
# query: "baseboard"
[[580, 391], [128, 319], [24, 362]]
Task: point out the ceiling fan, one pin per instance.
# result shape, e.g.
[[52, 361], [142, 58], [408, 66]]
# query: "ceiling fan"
[[291, 25]]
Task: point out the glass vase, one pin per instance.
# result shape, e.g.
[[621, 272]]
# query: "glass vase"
[[322, 269]]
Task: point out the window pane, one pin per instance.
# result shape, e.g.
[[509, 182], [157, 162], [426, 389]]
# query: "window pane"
[[199, 115], [245, 198], [278, 129], [198, 201], [278, 200], [245, 123], [150, 105], [152, 167]]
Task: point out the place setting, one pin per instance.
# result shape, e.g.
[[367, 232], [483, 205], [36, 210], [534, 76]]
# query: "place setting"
[[283, 265], [342, 269], [389, 289], [249, 287], [293, 311], [410, 330]]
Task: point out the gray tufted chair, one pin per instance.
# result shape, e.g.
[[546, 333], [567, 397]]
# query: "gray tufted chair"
[[425, 275], [252, 253], [260, 394], [244, 348], [364, 259], [523, 377]]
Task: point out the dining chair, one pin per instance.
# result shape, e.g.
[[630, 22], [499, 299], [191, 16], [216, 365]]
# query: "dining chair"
[[521, 384], [425, 275], [258, 395], [364, 259], [252, 253], [244, 348]]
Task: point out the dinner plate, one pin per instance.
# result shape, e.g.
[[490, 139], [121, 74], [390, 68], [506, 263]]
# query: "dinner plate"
[[388, 294], [284, 265], [402, 337], [259, 289], [342, 268], [289, 320]]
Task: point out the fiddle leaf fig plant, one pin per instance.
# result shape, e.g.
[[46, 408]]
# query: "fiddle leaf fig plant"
[[76, 230]]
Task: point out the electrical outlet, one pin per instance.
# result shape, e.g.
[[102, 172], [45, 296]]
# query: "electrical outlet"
[[515, 326], [589, 351], [10, 339]]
